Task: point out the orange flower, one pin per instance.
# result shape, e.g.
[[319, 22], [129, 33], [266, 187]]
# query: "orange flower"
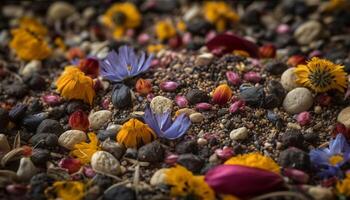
[[222, 94], [134, 134], [143, 86], [73, 84]]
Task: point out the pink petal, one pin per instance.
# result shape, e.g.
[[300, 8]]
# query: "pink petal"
[[242, 181]]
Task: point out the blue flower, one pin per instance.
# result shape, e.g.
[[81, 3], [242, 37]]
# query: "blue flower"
[[329, 160], [163, 125], [117, 67]]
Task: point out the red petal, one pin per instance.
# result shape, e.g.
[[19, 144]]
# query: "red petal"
[[227, 43], [242, 181]]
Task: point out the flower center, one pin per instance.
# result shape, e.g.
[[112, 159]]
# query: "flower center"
[[129, 67], [321, 78], [119, 18], [334, 160]]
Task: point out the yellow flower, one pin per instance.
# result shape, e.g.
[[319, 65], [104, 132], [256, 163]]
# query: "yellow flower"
[[33, 26], [181, 26], [66, 190], [73, 84], [184, 183], [154, 48], [321, 75], [60, 43], [84, 151], [28, 45], [134, 134], [220, 14], [164, 30], [256, 160], [120, 17], [343, 187]]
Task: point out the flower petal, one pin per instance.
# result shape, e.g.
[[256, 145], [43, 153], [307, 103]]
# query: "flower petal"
[[242, 181]]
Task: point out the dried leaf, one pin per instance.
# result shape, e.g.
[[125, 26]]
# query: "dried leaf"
[[17, 141]]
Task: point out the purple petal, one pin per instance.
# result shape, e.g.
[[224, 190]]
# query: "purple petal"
[[164, 120], [242, 181], [179, 127], [338, 145], [319, 157], [152, 122]]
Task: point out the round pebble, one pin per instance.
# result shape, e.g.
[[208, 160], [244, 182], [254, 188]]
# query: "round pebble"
[[99, 118], [298, 100], [288, 79], [344, 117], [196, 117], [239, 133], [160, 104]]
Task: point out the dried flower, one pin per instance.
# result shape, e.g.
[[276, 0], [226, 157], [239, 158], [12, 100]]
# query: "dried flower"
[[253, 77], [134, 134], [165, 30], [71, 164], [143, 38], [33, 26], [164, 127], [75, 53], [333, 5], [255, 160], [154, 48], [143, 86], [117, 67], [329, 160], [321, 75], [220, 14], [233, 78], [203, 106], [222, 94], [267, 51], [296, 60], [79, 120], [29, 46], [120, 17], [184, 184], [51, 99], [66, 190], [84, 151], [237, 105], [242, 181], [89, 66], [73, 84], [343, 186], [181, 101], [168, 86], [224, 153], [304, 118], [227, 43]]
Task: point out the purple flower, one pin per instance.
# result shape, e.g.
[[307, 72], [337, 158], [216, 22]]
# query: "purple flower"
[[329, 160], [163, 125], [117, 67]]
